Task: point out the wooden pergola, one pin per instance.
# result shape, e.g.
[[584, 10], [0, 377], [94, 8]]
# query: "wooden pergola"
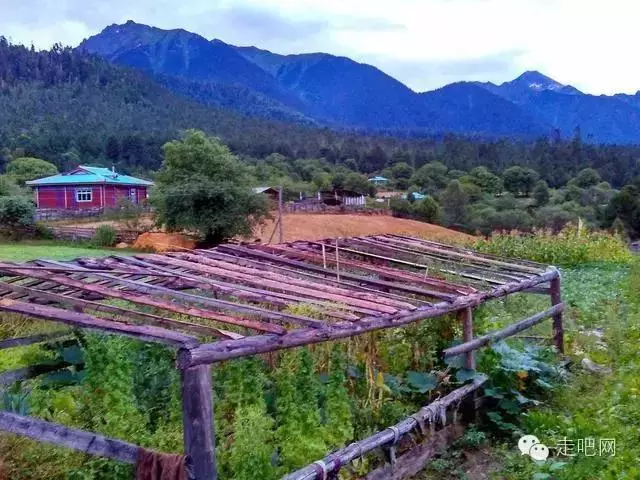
[[239, 294]]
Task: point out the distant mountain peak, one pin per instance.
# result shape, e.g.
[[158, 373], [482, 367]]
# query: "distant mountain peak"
[[537, 81]]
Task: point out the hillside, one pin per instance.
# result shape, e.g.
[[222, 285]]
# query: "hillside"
[[338, 92], [319, 226]]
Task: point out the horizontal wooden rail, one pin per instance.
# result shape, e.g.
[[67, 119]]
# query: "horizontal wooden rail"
[[433, 413], [525, 324], [140, 332], [56, 434]]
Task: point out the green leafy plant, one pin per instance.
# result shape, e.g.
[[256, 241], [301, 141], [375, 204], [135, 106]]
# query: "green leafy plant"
[[105, 236]]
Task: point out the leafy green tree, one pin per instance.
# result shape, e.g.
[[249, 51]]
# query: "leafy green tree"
[[427, 210], [541, 193], [203, 187], [431, 177], [400, 174], [485, 180], [27, 168], [587, 177], [455, 204], [519, 180], [8, 187], [625, 206], [357, 182]]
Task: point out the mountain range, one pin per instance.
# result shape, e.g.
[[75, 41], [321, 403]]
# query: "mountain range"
[[326, 90]]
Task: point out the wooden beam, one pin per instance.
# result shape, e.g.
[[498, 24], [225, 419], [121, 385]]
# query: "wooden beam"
[[466, 316], [361, 279], [140, 332], [56, 434], [288, 284], [245, 292], [149, 300], [127, 313], [304, 252], [197, 417], [432, 413], [509, 331], [556, 299], [155, 290], [225, 350]]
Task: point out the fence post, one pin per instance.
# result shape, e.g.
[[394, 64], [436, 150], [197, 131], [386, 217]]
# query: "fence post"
[[197, 418], [466, 316], [556, 297]]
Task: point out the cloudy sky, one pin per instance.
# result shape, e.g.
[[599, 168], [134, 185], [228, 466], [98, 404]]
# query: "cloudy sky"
[[590, 44]]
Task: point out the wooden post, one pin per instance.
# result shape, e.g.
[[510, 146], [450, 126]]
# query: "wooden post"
[[337, 261], [197, 418], [280, 222], [466, 315], [556, 298]]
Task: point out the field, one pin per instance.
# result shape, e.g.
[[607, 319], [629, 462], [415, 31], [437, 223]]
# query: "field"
[[319, 226], [30, 250]]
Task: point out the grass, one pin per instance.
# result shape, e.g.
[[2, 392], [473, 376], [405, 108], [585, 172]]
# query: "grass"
[[601, 297], [53, 250]]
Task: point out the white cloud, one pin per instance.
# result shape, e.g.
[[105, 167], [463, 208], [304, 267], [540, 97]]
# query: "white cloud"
[[424, 43]]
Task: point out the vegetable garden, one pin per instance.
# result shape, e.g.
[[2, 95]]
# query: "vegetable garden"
[[388, 360]]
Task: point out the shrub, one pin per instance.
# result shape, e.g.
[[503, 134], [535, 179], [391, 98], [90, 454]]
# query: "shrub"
[[105, 236], [43, 231], [571, 246], [16, 212]]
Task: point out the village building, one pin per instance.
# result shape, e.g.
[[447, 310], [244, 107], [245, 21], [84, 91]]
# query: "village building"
[[88, 188]]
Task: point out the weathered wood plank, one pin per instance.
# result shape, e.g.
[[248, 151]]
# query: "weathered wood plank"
[[56, 434], [512, 329], [300, 287], [197, 417], [403, 287], [156, 290], [127, 313], [299, 253], [140, 332], [149, 300]]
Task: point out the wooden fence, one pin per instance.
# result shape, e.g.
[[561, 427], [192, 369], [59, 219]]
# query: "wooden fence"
[[87, 233], [359, 284]]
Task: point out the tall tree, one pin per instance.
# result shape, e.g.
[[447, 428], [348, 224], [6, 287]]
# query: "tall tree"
[[26, 168], [455, 204], [203, 187]]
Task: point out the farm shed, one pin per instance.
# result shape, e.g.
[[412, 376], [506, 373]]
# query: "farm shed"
[[86, 188], [238, 294]]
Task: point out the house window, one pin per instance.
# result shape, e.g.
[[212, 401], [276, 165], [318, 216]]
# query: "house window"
[[84, 194]]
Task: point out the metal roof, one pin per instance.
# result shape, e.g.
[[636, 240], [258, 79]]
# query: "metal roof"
[[84, 175]]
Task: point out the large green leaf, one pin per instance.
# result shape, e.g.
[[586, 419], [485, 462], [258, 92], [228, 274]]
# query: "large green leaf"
[[422, 381]]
